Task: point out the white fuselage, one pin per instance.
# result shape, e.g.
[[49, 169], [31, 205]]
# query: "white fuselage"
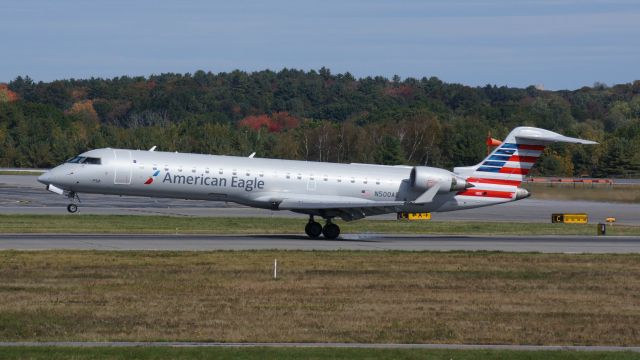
[[256, 182]]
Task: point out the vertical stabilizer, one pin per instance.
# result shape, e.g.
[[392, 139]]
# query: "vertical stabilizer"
[[510, 162]]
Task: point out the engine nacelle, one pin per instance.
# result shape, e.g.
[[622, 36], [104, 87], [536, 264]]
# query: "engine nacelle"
[[424, 178]]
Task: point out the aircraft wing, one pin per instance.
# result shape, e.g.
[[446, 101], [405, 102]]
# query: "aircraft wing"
[[346, 207]]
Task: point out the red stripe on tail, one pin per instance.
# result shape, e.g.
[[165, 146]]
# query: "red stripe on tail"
[[526, 159], [518, 171], [530, 147]]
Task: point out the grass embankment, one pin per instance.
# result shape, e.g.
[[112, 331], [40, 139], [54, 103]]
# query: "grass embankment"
[[206, 225], [585, 192], [29, 173], [289, 353], [339, 296]]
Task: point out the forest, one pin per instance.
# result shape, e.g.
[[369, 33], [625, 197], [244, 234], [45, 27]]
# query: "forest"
[[317, 116]]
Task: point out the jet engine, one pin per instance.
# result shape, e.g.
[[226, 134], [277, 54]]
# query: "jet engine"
[[424, 178]]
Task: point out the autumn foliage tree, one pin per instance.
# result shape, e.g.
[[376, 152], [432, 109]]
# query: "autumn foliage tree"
[[276, 122]]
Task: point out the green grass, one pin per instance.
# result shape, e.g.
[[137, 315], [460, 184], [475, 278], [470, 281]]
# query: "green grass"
[[296, 353], [218, 225], [320, 296], [30, 173]]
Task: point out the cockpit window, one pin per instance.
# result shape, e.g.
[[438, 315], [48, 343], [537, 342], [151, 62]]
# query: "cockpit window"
[[91, 160], [76, 160], [84, 160]]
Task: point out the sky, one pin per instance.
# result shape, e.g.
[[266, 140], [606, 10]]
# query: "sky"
[[560, 44]]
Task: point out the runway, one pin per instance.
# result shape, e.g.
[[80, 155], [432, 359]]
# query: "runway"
[[22, 194], [378, 242]]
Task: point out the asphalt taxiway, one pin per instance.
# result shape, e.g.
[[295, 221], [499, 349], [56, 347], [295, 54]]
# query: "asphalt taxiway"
[[22, 194], [543, 244]]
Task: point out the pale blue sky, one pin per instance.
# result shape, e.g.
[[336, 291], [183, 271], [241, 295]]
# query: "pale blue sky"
[[562, 44]]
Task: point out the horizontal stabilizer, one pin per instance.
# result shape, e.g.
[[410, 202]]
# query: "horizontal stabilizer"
[[543, 136]]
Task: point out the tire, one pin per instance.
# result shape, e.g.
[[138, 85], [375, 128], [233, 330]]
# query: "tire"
[[72, 208], [331, 231], [313, 230]]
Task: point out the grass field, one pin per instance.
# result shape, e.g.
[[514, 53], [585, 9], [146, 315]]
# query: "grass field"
[[202, 225], [288, 353], [336, 296], [585, 192], [28, 173]]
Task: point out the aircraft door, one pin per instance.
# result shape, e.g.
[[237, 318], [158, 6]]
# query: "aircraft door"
[[311, 183], [123, 167]]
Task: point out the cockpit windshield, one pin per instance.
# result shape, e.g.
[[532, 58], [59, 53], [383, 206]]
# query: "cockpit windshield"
[[84, 160]]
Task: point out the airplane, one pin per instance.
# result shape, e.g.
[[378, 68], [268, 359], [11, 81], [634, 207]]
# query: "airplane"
[[317, 189]]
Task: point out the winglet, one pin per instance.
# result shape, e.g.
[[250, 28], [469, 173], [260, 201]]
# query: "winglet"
[[153, 148], [252, 155]]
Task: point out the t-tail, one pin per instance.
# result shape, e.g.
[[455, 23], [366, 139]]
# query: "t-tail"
[[511, 161]]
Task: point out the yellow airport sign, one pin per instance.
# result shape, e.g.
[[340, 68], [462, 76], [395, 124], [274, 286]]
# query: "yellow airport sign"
[[414, 216], [570, 218]]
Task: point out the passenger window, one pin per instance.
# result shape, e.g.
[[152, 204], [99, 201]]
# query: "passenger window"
[[288, 175], [235, 172], [220, 171], [206, 170], [248, 174], [326, 178], [353, 180], [299, 176], [365, 181], [377, 181], [193, 170], [261, 174]]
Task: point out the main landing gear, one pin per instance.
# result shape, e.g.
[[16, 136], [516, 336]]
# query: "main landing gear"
[[330, 230], [73, 207]]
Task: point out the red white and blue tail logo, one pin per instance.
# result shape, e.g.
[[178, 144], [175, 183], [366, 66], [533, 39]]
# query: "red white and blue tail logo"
[[499, 175], [508, 164]]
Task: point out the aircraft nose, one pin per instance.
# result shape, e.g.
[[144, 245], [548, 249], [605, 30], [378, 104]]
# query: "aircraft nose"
[[45, 178]]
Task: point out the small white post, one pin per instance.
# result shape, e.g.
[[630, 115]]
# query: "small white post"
[[275, 268]]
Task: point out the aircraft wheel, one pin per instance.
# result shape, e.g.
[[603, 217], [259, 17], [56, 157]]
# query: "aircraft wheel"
[[313, 229], [72, 208], [331, 231]]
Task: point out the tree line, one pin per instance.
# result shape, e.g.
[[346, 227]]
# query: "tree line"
[[317, 116]]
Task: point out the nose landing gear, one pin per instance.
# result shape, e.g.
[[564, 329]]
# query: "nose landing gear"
[[73, 207], [330, 231]]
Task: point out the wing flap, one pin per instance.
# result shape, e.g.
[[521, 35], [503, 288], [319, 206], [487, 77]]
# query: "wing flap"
[[346, 207]]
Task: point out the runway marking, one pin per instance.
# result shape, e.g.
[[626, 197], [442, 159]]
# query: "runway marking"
[[89, 344]]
